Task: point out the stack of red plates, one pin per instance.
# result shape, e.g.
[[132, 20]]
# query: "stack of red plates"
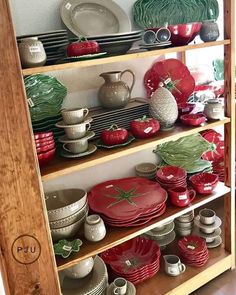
[[135, 260], [193, 250], [128, 202], [45, 147], [171, 177]]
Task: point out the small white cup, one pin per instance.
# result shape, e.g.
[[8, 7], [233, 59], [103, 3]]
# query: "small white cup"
[[74, 116], [120, 285]]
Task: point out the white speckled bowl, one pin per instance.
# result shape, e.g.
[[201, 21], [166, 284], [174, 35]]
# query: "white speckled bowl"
[[80, 270], [63, 203]]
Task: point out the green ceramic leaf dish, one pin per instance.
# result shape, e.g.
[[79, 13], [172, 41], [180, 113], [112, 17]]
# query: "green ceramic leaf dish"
[[100, 144], [183, 151], [218, 65], [156, 13], [45, 95], [64, 248]]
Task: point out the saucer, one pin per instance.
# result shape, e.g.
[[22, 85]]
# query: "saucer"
[[216, 243], [62, 124], [91, 149], [65, 139], [131, 290], [215, 234], [100, 144], [165, 231], [212, 226]]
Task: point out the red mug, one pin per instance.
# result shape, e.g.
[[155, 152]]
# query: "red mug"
[[181, 196]]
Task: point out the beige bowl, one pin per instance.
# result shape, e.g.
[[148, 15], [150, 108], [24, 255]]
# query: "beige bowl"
[[69, 231], [70, 219], [145, 168], [64, 203]]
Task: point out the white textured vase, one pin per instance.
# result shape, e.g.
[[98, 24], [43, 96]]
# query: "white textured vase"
[[163, 107]]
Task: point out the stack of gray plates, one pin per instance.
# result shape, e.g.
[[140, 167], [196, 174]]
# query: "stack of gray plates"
[[103, 119], [54, 42], [118, 43], [93, 284]]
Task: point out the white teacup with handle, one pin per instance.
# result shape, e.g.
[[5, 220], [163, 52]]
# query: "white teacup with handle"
[[74, 116]]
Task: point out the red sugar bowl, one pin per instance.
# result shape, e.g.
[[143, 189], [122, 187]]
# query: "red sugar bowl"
[[204, 183]]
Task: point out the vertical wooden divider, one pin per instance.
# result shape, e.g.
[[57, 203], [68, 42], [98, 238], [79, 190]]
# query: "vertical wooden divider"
[[229, 76], [26, 255]]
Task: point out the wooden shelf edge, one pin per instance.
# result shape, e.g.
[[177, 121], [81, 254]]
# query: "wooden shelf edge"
[[193, 278], [66, 166], [115, 236], [120, 58]]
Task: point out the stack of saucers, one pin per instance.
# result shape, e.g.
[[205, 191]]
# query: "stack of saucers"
[[45, 147], [184, 224], [54, 43], [135, 260], [146, 170], [95, 283], [193, 251], [67, 210], [171, 177], [208, 227], [76, 125], [163, 235]]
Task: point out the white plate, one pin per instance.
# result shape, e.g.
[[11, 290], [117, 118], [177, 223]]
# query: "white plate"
[[165, 231], [165, 240], [216, 243], [92, 283], [107, 17]]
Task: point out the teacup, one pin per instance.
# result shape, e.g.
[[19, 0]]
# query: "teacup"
[[76, 131], [181, 196], [207, 216], [163, 34], [79, 146], [149, 37], [120, 286], [74, 116], [173, 265]]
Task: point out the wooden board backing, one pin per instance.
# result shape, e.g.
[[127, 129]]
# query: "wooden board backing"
[[21, 198]]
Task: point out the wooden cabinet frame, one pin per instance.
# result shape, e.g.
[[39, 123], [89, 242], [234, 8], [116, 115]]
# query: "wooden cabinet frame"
[[22, 207]]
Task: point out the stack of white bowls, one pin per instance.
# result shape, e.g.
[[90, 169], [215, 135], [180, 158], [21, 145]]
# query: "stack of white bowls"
[[67, 210], [184, 224]]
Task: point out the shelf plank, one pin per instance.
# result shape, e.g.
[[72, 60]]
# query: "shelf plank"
[[61, 166], [192, 279], [121, 58], [116, 236]]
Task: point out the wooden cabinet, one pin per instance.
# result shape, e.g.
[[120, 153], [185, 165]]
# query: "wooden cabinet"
[[24, 223]]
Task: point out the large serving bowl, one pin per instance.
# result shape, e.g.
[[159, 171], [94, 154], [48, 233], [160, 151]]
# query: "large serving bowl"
[[63, 203], [183, 34], [117, 47]]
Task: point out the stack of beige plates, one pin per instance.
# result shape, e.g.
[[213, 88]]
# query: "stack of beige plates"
[[184, 224], [146, 170], [163, 235], [67, 210], [93, 284]]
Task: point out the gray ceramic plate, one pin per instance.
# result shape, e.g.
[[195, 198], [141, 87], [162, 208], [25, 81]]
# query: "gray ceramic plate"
[[215, 234], [107, 16], [44, 35], [116, 36], [131, 290], [94, 283], [91, 149], [167, 229], [63, 203], [165, 240]]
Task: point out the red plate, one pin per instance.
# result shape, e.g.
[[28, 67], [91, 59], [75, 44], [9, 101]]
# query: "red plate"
[[178, 74], [132, 255], [41, 135], [217, 146], [192, 245], [126, 198]]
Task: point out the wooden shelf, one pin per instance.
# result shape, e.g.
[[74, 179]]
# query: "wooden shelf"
[[116, 236], [61, 166], [121, 58], [193, 278]]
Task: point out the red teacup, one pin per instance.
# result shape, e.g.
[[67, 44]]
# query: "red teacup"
[[181, 196]]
